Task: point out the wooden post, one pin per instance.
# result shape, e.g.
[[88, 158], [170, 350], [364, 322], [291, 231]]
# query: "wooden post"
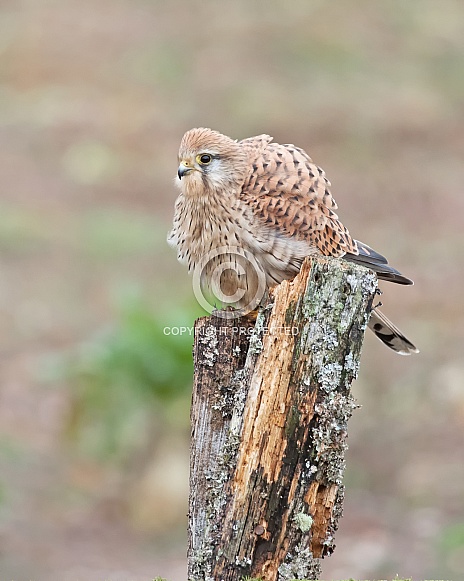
[[271, 402]]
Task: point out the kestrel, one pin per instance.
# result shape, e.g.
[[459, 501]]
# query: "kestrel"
[[256, 209]]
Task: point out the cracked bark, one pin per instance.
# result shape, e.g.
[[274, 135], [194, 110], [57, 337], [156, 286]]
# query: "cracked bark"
[[271, 402]]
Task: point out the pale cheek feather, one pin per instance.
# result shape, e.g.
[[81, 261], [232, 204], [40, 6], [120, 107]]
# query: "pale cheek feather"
[[221, 177]]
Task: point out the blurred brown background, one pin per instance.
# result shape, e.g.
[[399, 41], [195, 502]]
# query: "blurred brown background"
[[94, 398]]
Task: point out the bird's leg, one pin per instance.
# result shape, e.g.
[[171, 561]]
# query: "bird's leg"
[[253, 315]]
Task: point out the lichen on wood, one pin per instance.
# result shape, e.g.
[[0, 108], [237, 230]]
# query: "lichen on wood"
[[270, 407]]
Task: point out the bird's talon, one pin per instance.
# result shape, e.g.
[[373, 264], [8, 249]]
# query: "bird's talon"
[[251, 316]]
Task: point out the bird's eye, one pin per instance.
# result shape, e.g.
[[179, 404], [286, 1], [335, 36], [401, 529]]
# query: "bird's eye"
[[204, 158]]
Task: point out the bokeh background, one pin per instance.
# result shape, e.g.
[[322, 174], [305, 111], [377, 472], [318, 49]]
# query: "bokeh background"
[[94, 397]]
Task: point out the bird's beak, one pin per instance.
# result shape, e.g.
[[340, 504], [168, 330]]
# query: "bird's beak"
[[183, 170]]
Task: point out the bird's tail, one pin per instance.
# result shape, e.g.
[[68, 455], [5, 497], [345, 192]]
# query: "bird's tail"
[[390, 335], [371, 259]]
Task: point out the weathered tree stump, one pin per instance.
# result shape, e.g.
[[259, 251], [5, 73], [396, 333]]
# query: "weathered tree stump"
[[271, 402]]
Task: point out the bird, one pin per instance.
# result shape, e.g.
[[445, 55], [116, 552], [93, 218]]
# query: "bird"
[[250, 211]]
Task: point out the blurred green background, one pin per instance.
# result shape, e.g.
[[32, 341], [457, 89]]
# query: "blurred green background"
[[94, 397]]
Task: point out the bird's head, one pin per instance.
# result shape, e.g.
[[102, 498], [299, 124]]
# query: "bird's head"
[[210, 161]]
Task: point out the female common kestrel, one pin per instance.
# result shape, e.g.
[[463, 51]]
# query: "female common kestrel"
[[252, 210]]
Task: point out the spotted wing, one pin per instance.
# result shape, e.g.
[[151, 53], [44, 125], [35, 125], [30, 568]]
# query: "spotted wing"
[[287, 191]]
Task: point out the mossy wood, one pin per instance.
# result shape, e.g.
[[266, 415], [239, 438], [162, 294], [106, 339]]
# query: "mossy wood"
[[271, 402]]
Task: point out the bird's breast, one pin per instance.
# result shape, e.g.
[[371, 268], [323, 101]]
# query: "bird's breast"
[[210, 236], [201, 227]]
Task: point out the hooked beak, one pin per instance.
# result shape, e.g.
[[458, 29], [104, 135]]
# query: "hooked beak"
[[183, 170]]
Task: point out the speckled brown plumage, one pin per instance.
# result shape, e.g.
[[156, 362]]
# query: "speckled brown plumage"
[[271, 201], [287, 191]]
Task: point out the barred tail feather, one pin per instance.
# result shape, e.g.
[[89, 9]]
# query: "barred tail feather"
[[386, 331]]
